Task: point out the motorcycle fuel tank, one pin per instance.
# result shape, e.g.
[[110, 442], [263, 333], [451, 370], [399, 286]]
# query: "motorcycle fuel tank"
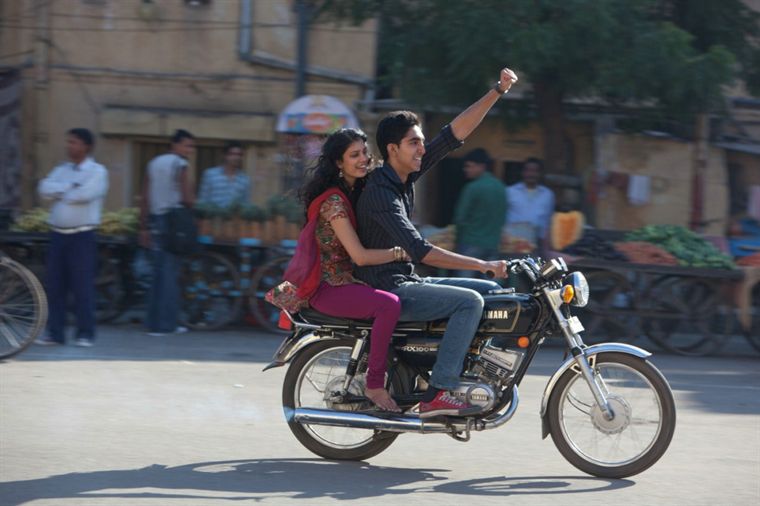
[[511, 313]]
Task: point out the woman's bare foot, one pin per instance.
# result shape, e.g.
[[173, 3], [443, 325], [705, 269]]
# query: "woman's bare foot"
[[382, 399]]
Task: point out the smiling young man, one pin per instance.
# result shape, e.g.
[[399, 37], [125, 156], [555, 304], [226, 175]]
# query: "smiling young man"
[[384, 220]]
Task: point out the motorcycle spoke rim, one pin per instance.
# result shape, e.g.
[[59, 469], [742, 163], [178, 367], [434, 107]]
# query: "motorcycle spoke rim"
[[323, 369], [634, 439]]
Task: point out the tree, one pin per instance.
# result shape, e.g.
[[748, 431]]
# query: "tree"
[[624, 52]]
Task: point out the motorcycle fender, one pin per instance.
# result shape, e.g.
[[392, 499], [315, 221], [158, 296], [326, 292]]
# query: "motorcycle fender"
[[589, 352], [291, 346]]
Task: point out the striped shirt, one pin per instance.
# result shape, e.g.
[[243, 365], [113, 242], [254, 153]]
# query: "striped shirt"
[[219, 189], [384, 216]]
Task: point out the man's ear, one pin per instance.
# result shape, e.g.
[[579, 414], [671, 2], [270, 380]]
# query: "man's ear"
[[392, 149]]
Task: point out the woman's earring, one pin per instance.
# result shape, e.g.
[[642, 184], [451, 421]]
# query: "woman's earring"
[[340, 174]]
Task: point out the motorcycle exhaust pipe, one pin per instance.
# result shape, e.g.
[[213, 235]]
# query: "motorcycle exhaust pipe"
[[393, 422]]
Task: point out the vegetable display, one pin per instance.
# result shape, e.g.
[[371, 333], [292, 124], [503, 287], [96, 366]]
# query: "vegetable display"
[[689, 248]]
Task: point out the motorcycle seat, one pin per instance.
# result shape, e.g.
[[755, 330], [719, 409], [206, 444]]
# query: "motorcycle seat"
[[310, 315]]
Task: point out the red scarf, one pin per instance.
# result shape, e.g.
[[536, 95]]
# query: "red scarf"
[[305, 268]]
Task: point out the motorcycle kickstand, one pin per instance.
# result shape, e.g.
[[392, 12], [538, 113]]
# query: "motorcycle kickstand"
[[466, 437]]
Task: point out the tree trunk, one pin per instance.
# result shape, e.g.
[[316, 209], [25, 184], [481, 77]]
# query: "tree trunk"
[[552, 120]]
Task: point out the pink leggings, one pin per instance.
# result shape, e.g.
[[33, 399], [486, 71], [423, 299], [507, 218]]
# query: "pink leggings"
[[364, 303]]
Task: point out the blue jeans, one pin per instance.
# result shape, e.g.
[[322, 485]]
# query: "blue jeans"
[[460, 301], [71, 267], [164, 293]]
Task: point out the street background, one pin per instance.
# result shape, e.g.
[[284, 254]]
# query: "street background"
[[191, 419]]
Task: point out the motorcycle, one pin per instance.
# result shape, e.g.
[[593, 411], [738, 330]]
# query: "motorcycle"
[[609, 411]]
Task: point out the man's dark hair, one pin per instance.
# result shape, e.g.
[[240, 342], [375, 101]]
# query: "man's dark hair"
[[479, 155], [232, 145], [392, 128], [83, 135], [535, 160], [180, 134]]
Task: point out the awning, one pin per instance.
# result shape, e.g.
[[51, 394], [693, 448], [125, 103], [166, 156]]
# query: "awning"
[[742, 147], [315, 114]]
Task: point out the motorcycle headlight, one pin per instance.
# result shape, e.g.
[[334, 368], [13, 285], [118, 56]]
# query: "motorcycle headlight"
[[575, 291]]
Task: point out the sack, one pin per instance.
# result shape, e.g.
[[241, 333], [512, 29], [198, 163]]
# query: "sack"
[[181, 231]]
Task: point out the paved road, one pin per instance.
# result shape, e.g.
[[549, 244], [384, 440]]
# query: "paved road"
[[192, 420]]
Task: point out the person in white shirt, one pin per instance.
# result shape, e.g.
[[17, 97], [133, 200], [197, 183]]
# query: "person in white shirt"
[[166, 185], [77, 189], [531, 203]]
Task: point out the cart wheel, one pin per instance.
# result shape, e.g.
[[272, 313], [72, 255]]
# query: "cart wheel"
[[211, 291], [686, 316], [611, 311], [110, 290], [753, 334], [265, 278]]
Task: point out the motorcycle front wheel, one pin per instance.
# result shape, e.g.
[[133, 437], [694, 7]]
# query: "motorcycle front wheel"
[[312, 377], [639, 432]]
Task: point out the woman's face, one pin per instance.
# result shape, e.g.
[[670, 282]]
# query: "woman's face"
[[355, 161]]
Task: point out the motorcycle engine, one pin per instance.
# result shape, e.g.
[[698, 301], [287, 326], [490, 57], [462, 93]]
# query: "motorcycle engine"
[[496, 364]]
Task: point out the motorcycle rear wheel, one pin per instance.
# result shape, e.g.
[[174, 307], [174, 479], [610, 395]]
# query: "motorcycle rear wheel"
[[638, 435], [318, 369]]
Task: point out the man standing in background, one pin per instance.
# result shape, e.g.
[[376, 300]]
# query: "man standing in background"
[[226, 184], [77, 189], [166, 185], [480, 212], [531, 203]]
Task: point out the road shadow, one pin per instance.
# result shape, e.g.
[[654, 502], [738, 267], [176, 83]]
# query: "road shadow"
[[305, 479]]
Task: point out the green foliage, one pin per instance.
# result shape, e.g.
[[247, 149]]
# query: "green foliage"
[[673, 54], [252, 212], [690, 248]]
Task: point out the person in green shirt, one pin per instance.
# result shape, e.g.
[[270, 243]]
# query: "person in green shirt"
[[480, 211]]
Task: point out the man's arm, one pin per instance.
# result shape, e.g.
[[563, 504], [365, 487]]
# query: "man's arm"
[[53, 186], [444, 259], [95, 187], [464, 124]]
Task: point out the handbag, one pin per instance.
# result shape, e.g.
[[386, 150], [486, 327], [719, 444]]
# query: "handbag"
[[181, 231]]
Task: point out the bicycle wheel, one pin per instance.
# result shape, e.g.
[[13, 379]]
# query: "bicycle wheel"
[[23, 307], [211, 293], [264, 279]]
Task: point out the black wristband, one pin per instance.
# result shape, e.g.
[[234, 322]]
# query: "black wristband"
[[497, 88]]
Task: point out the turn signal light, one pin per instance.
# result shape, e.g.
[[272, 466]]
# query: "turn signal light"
[[523, 342], [568, 292]]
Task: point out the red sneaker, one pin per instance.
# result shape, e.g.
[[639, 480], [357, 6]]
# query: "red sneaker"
[[446, 404]]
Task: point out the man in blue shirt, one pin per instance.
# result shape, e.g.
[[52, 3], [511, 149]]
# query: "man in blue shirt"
[[226, 184], [531, 203]]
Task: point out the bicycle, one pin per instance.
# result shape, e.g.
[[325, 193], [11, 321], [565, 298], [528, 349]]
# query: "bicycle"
[[23, 307]]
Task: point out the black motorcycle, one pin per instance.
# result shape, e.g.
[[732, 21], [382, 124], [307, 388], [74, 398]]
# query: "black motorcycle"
[[609, 411]]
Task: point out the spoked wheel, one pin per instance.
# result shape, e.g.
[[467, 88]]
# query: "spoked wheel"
[[753, 335], [211, 293], [110, 288], [23, 307], [611, 311], [264, 279], [685, 316], [640, 430], [311, 381]]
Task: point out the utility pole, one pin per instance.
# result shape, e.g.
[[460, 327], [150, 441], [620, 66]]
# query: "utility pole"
[[303, 14]]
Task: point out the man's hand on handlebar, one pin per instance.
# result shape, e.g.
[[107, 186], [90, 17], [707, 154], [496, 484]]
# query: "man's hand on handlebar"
[[496, 269]]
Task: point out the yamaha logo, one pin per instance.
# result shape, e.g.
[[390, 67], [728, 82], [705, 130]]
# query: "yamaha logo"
[[419, 349], [497, 314]]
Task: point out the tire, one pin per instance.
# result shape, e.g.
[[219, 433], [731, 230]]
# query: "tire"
[[753, 334], [687, 317], [266, 277], [366, 443], [23, 308], [571, 403], [210, 290]]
